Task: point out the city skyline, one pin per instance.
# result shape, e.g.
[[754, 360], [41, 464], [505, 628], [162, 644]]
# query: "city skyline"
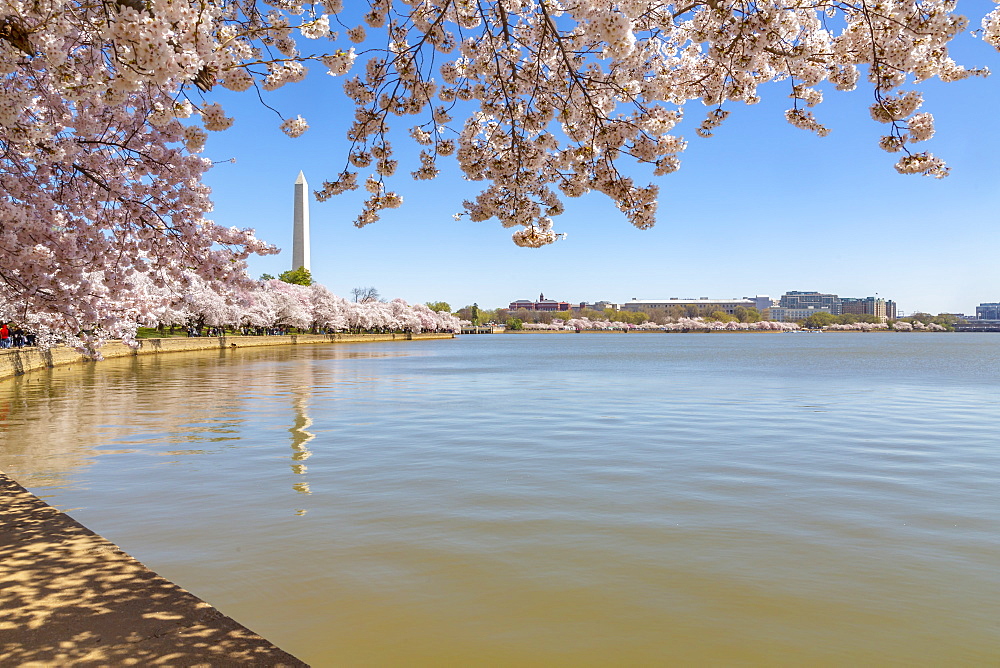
[[791, 306]]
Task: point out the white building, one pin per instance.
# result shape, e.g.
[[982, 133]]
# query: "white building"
[[596, 306], [782, 314]]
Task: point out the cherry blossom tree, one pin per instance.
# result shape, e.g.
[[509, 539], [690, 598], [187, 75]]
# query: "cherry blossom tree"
[[107, 104], [859, 327], [274, 303], [204, 305], [436, 321], [329, 310], [293, 302], [367, 316], [404, 317], [679, 325], [261, 308], [99, 181], [551, 97]]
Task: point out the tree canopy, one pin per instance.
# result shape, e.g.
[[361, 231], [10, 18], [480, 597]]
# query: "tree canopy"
[[107, 105], [819, 320], [439, 307], [300, 276]]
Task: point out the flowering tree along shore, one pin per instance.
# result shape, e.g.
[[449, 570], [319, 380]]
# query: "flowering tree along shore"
[[678, 325], [265, 305], [708, 324], [275, 304], [106, 104]]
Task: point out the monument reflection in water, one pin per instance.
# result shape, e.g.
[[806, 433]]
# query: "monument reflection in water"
[[300, 435], [552, 500]]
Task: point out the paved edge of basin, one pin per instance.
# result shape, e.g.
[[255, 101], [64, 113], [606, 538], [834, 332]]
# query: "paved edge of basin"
[[19, 361], [70, 597]]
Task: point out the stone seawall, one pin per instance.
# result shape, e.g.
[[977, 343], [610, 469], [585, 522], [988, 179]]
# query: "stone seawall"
[[22, 360]]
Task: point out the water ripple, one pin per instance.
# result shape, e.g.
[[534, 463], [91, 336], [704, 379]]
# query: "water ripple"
[[552, 500]]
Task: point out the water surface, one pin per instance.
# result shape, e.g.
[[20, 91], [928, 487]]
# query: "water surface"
[[539, 499]]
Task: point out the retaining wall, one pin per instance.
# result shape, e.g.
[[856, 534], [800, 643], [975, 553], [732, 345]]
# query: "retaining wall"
[[18, 361]]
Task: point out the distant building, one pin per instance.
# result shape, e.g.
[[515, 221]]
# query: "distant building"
[[795, 306], [811, 300], [703, 306], [976, 325], [783, 314], [988, 311], [542, 304], [596, 306], [761, 302], [880, 308]]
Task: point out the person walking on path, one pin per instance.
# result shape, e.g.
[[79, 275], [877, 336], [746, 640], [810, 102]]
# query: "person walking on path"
[[4, 336]]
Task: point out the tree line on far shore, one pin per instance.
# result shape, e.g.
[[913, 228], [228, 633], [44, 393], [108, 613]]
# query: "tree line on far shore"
[[516, 319]]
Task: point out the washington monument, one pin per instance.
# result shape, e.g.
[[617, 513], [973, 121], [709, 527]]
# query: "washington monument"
[[300, 240]]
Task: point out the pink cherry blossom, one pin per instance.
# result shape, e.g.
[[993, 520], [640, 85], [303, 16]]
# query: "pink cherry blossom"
[[106, 106]]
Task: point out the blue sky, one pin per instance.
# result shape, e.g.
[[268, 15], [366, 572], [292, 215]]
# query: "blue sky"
[[760, 208]]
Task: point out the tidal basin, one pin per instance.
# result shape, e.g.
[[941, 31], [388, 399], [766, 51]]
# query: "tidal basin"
[[532, 499]]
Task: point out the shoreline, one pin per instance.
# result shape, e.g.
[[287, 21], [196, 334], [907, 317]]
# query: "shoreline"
[[644, 331], [716, 331], [19, 361], [71, 597]]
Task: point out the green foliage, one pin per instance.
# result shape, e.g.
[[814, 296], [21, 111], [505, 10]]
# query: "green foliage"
[[515, 323], [819, 320], [824, 319], [266, 277], [591, 314], [631, 317], [164, 332], [676, 312], [300, 276], [473, 314], [744, 314], [720, 316], [658, 315], [489, 315], [949, 320], [946, 320], [439, 307]]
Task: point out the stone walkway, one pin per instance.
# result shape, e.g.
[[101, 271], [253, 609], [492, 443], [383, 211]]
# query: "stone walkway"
[[71, 598]]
